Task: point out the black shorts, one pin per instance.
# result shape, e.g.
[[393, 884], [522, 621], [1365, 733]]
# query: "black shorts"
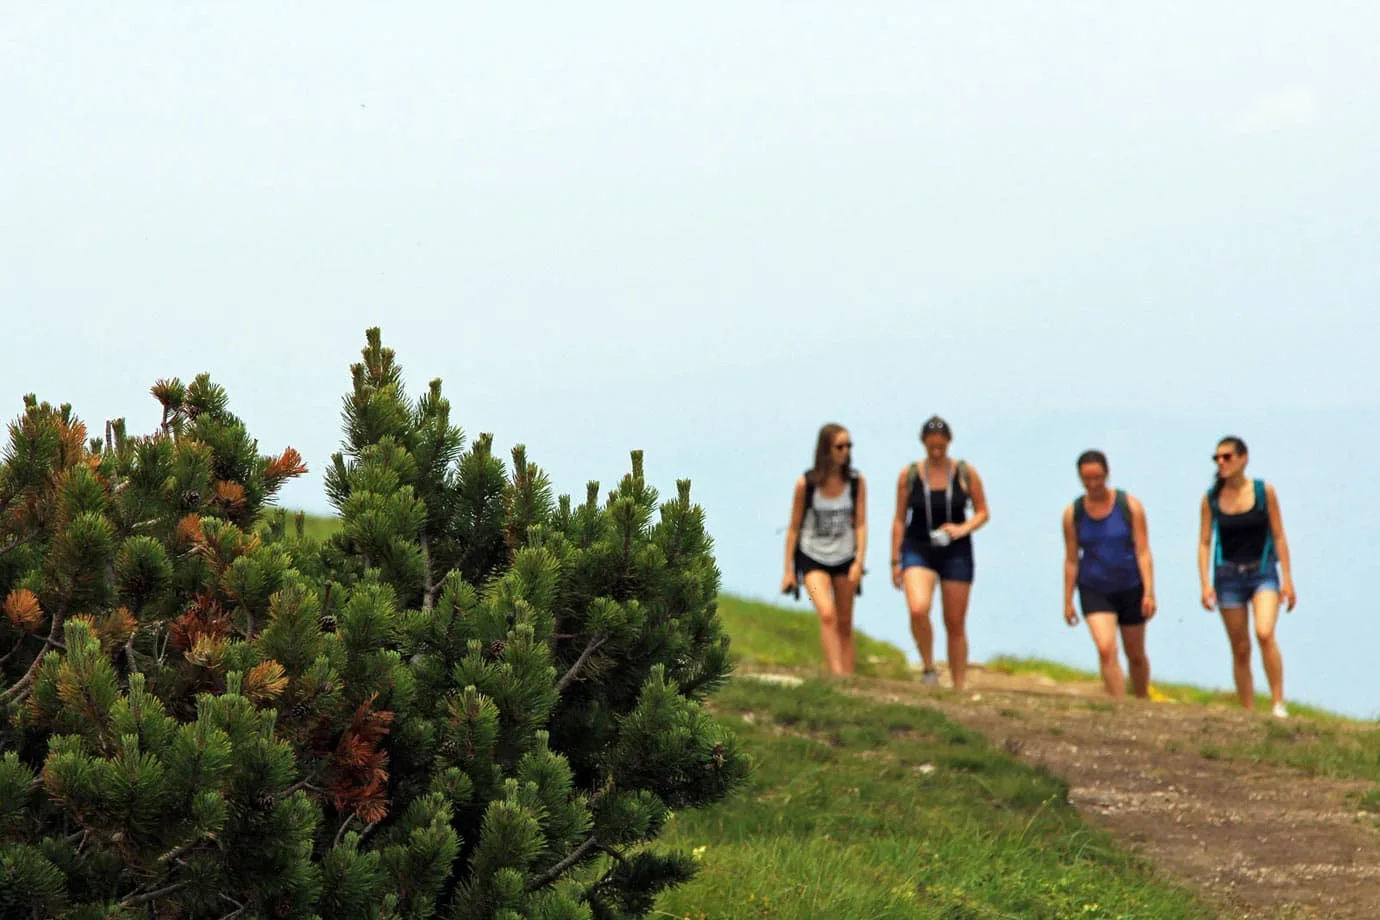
[[1125, 604], [805, 565]]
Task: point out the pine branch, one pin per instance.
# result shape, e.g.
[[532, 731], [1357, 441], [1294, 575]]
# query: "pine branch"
[[590, 649], [239, 908], [349, 819], [179, 850], [9, 547], [20, 689], [17, 643], [129, 654], [559, 868], [134, 900], [306, 782], [428, 586]]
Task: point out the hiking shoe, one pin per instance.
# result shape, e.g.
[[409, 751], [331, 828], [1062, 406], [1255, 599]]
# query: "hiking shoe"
[[930, 678], [1279, 712]]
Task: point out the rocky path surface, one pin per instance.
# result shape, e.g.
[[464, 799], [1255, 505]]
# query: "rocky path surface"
[[1268, 840]]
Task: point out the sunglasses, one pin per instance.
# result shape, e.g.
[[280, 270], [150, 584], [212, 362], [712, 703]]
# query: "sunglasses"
[[847, 445], [1222, 458]]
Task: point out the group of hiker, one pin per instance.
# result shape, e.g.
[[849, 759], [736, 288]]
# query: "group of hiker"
[[1243, 558]]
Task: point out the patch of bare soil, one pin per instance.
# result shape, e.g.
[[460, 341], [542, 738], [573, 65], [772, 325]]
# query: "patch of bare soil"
[[1262, 839]]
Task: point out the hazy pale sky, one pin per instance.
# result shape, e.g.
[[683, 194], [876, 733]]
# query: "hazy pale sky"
[[705, 232]]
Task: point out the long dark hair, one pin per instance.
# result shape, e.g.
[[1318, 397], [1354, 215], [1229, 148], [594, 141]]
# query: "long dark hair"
[[824, 448], [1239, 446]]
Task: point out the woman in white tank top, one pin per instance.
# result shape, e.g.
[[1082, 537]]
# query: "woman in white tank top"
[[827, 541]]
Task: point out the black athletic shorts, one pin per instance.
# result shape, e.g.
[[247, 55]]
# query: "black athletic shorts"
[[1125, 604], [805, 564]]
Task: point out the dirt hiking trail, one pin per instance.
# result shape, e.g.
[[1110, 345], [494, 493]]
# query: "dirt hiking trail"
[[1261, 840]]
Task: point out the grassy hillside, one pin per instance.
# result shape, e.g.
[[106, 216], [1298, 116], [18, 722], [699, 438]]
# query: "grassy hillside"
[[1173, 693], [860, 809]]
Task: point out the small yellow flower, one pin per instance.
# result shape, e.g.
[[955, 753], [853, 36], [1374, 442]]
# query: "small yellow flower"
[[698, 852]]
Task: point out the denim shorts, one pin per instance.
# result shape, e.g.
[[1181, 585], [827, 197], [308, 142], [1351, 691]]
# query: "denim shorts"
[[953, 563], [1235, 585]]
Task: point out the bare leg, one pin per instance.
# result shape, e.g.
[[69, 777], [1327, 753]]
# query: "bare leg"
[[1266, 604], [820, 587], [1133, 638], [919, 584], [955, 597], [1238, 631], [843, 602], [1102, 625]]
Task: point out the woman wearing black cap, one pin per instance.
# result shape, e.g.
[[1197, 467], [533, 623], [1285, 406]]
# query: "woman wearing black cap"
[[931, 540]]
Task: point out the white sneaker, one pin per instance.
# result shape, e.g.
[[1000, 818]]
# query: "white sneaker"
[[1279, 712], [930, 678]]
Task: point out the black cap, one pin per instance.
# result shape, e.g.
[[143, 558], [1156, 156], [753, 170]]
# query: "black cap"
[[936, 425]]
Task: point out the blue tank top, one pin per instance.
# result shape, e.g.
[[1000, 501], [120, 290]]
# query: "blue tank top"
[[1108, 560]]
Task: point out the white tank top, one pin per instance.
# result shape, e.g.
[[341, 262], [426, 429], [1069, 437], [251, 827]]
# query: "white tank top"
[[826, 533]]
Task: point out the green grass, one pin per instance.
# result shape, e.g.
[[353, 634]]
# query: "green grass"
[[1323, 748], [1179, 693], [314, 526], [766, 636], [860, 809]]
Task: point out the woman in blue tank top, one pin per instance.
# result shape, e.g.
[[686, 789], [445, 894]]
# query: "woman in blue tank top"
[[1107, 557], [1250, 565]]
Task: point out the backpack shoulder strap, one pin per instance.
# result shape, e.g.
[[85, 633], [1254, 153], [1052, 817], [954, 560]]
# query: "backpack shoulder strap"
[[1261, 499], [1078, 512], [809, 499], [961, 471], [853, 493], [1124, 503], [912, 479]]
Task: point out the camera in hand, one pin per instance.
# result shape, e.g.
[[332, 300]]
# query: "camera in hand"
[[940, 538]]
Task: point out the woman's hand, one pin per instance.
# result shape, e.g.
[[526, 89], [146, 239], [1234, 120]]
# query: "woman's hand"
[[955, 531], [1286, 594], [896, 575], [1070, 614], [855, 572], [1209, 597], [788, 583], [1147, 606]]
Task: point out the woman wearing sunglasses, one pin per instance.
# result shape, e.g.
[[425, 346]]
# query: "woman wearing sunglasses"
[[1249, 565], [931, 542], [826, 542]]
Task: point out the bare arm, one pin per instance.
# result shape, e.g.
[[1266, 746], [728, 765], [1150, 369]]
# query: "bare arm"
[[980, 513], [1070, 563], [1140, 532], [793, 528], [1286, 575], [860, 526], [898, 526]]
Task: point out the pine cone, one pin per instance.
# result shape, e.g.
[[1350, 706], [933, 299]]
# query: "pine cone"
[[495, 649], [449, 748], [300, 709], [282, 906], [265, 800], [191, 499]]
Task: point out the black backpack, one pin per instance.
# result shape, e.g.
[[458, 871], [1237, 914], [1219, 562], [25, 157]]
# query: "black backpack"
[[1119, 501]]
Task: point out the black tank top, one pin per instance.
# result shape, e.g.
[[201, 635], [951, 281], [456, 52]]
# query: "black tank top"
[[944, 509], [1243, 536]]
